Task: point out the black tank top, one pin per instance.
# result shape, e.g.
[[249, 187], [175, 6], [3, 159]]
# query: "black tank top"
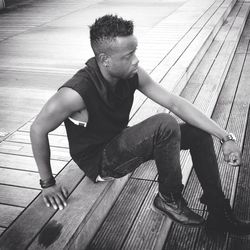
[[108, 109]]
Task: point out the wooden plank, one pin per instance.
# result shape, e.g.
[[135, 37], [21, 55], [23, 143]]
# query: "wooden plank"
[[177, 50], [32, 220], [27, 163], [19, 178], [174, 55], [216, 72], [115, 228], [193, 192], [205, 38], [225, 101], [67, 22], [236, 123], [137, 246], [220, 115], [24, 137], [207, 61], [177, 240], [146, 171], [8, 214], [239, 112], [17, 196], [180, 237], [58, 131], [179, 70], [11, 119], [80, 220], [20, 80], [193, 237], [242, 46], [174, 234], [161, 233], [30, 99], [146, 230], [242, 202], [61, 154], [208, 14]]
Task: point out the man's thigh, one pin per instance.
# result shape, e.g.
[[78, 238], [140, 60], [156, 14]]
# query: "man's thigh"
[[133, 146]]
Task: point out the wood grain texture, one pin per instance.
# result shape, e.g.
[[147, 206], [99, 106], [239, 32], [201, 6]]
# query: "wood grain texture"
[[19, 178], [179, 237], [25, 150], [27, 163], [33, 219], [8, 214], [89, 205], [17, 196], [147, 171], [58, 131], [111, 235], [54, 140], [81, 220], [146, 229]]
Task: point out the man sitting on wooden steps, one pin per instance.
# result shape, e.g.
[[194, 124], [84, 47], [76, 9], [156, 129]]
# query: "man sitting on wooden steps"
[[95, 105]]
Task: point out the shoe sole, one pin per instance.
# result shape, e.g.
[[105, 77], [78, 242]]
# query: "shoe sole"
[[157, 210]]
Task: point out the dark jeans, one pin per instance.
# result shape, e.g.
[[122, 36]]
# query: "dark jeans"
[[161, 138]]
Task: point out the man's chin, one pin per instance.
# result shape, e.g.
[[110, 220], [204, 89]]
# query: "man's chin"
[[133, 73]]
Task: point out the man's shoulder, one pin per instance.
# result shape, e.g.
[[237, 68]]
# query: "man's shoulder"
[[81, 81]]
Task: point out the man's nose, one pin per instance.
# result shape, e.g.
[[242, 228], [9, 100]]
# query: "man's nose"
[[136, 60]]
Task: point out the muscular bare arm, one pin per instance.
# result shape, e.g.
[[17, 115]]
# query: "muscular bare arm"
[[189, 113], [60, 106]]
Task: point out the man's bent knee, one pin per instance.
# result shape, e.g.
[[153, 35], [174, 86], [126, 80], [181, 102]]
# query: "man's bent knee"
[[166, 124]]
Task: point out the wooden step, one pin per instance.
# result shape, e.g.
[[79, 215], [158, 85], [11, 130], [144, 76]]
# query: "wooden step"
[[231, 112], [26, 163], [178, 57], [90, 203], [16, 148], [161, 228], [33, 219], [54, 140]]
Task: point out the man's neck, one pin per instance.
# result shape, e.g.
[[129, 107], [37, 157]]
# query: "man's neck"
[[107, 76]]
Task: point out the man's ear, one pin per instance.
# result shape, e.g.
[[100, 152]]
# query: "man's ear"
[[104, 59]]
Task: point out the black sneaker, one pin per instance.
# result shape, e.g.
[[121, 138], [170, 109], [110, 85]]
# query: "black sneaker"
[[177, 210], [222, 219]]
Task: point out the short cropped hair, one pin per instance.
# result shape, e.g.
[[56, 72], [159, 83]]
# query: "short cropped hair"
[[105, 30]]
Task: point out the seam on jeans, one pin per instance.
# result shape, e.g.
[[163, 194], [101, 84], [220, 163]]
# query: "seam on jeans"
[[140, 142], [139, 159]]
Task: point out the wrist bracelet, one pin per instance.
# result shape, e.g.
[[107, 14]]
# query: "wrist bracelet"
[[48, 182], [228, 137]]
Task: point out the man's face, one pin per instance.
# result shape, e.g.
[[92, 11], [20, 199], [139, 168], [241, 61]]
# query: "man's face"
[[123, 63]]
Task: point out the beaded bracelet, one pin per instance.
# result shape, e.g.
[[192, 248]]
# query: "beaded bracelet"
[[48, 182]]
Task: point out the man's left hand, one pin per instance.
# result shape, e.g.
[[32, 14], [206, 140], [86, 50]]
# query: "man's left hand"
[[232, 153]]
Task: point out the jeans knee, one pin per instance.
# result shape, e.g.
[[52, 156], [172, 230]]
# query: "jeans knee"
[[200, 136], [167, 124]]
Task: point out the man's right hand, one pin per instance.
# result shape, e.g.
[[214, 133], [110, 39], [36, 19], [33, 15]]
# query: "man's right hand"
[[55, 196]]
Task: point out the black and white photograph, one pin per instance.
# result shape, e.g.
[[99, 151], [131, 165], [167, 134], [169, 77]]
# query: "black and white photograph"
[[124, 125]]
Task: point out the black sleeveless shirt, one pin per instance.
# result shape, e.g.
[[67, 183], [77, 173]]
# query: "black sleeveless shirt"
[[108, 109]]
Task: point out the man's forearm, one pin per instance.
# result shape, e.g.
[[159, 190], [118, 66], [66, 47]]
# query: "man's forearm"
[[190, 114], [41, 151]]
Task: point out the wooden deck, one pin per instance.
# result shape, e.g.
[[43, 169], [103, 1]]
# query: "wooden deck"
[[190, 49]]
